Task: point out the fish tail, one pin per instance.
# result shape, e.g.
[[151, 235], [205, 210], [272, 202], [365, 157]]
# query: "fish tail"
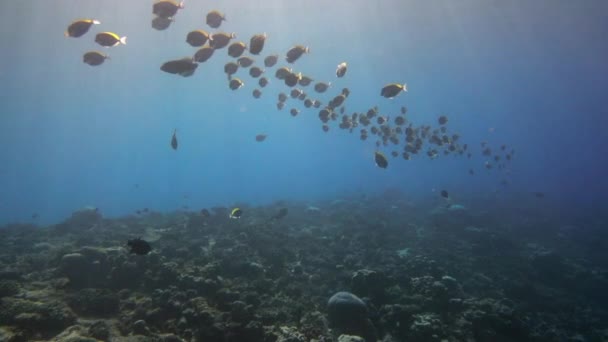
[[96, 22], [123, 40], [66, 34], [181, 4], [404, 87]]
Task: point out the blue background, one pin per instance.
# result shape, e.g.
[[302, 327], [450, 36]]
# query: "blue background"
[[73, 135]]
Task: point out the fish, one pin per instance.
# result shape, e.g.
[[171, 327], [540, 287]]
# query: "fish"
[[215, 18], [161, 23], [442, 120], [174, 140], [236, 49], [257, 93], [236, 213], [282, 97], [260, 137], [263, 82], [296, 52], [139, 246], [166, 8], [341, 69], [256, 43], [271, 61], [79, 27], [305, 81], [197, 38], [220, 40], [203, 54], [282, 72], [380, 160], [291, 79], [184, 67], [245, 61], [255, 72], [325, 128], [231, 68], [393, 89], [205, 213], [444, 194], [294, 112], [235, 84], [108, 39], [321, 87], [94, 58]]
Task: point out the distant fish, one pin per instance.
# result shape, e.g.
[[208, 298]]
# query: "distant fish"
[[94, 58], [215, 18], [205, 213], [444, 194], [197, 38], [139, 246], [539, 194], [166, 8], [296, 52], [380, 160], [174, 140], [341, 69], [260, 137], [109, 39], [236, 213], [391, 90], [256, 44], [161, 23], [79, 27]]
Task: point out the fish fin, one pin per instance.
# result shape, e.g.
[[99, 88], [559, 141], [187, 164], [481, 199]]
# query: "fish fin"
[[405, 87], [181, 5], [96, 22], [66, 34], [123, 40]]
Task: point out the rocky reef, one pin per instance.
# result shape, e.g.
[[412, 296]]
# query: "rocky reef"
[[357, 269]]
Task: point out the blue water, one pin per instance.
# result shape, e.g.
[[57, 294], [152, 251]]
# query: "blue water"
[[74, 135]]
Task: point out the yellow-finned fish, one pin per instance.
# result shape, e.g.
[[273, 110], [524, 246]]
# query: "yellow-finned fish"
[[236, 213], [109, 39], [79, 27]]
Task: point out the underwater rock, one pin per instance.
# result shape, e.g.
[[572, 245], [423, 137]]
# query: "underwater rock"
[[290, 334], [426, 327], [95, 302], [46, 318], [80, 220], [9, 288], [83, 271], [350, 338], [348, 314], [9, 274], [369, 283], [99, 330], [140, 328], [74, 333]]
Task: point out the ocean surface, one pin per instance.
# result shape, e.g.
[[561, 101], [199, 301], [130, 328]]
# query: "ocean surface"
[[524, 80]]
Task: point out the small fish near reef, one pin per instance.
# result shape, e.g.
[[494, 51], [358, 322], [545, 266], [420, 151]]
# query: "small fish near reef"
[[139, 246], [236, 213]]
